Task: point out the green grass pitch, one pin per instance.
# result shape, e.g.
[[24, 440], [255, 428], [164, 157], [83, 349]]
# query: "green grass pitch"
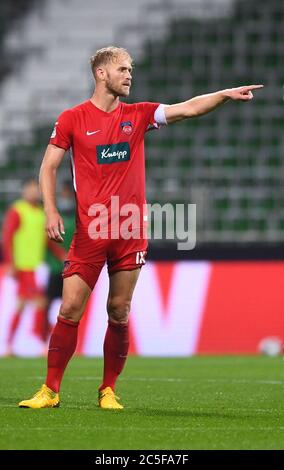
[[175, 403]]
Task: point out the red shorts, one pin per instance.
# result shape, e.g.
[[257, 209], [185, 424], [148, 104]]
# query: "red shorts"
[[27, 285], [87, 257]]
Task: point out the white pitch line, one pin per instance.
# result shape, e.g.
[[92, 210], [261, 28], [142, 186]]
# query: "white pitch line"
[[139, 428], [170, 379], [191, 380], [67, 405]]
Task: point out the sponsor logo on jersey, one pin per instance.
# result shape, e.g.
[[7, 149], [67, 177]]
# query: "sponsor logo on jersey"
[[127, 127], [113, 153]]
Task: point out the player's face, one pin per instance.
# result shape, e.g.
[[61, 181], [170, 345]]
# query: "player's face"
[[31, 192], [118, 76]]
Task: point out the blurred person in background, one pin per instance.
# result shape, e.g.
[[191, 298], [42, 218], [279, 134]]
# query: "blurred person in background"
[[24, 245], [66, 205], [24, 250], [107, 141]]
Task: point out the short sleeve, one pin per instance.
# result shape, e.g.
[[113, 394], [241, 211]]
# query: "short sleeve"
[[63, 131], [147, 111]]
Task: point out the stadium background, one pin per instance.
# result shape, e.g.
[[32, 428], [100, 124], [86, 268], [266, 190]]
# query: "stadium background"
[[227, 294]]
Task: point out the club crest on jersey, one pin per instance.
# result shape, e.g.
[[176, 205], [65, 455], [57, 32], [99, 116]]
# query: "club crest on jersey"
[[126, 127]]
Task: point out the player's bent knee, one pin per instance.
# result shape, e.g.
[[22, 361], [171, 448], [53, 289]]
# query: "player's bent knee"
[[71, 310], [118, 309]]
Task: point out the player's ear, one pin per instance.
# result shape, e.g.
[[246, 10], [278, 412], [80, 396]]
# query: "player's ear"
[[100, 73]]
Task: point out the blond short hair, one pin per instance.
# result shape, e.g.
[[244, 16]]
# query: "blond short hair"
[[107, 55]]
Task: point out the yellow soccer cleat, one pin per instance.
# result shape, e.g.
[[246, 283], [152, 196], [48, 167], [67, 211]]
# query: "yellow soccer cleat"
[[108, 400], [44, 398]]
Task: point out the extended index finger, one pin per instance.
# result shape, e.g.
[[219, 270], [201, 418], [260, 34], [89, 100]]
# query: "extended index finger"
[[254, 87]]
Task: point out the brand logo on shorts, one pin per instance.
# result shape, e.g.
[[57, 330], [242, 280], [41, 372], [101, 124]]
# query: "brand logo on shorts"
[[113, 153], [66, 266]]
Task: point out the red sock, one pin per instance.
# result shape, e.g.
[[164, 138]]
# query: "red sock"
[[13, 327], [115, 352], [62, 346]]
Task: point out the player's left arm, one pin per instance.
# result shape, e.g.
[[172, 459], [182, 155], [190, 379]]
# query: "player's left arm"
[[203, 104]]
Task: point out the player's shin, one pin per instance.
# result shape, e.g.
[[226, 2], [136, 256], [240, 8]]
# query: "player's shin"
[[116, 346], [62, 346]]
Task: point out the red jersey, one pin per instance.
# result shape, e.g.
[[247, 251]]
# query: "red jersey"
[[107, 155]]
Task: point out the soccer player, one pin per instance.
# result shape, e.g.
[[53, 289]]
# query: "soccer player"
[[106, 138], [24, 246]]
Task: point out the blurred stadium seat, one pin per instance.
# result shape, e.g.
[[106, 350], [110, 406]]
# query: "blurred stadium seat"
[[229, 163]]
